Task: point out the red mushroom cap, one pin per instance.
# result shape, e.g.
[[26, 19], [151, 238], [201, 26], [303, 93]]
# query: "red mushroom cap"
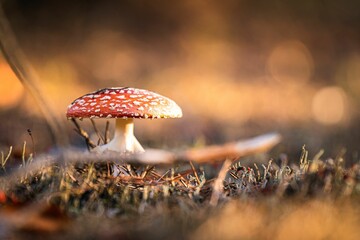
[[123, 102]]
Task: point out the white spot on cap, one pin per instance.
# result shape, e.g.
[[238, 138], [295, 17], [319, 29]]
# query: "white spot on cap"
[[105, 98]]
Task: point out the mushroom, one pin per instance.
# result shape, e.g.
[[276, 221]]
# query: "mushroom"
[[124, 104]]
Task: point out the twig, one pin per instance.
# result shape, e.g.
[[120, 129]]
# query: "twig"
[[96, 130], [162, 176], [195, 173], [257, 172], [236, 149], [81, 132], [152, 156], [107, 132], [4, 160], [183, 182], [28, 77], [23, 154], [218, 184], [32, 141], [146, 171], [130, 170]]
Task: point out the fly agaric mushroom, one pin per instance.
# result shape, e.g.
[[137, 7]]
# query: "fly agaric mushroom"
[[124, 104]]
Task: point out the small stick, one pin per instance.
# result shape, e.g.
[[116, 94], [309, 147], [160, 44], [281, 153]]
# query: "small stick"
[[28, 77], [233, 149], [23, 154], [4, 160], [96, 130], [234, 175], [163, 175], [183, 182], [32, 140], [146, 171], [131, 170], [72, 177], [107, 132], [108, 169], [154, 156], [81, 132], [257, 172], [195, 173], [155, 174], [267, 169], [218, 184]]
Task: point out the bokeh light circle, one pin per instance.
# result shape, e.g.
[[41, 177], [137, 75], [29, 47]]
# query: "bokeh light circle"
[[329, 105], [290, 61]]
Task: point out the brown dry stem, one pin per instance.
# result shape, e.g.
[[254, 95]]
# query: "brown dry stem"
[[28, 77]]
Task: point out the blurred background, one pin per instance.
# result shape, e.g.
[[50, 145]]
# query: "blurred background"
[[237, 68]]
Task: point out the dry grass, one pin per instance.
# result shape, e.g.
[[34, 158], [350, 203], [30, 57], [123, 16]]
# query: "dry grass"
[[312, 198]]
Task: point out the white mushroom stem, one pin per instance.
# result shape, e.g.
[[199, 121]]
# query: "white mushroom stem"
[[124, 139]]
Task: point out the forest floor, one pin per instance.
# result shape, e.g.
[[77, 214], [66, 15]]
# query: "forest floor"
[[265, 198]]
